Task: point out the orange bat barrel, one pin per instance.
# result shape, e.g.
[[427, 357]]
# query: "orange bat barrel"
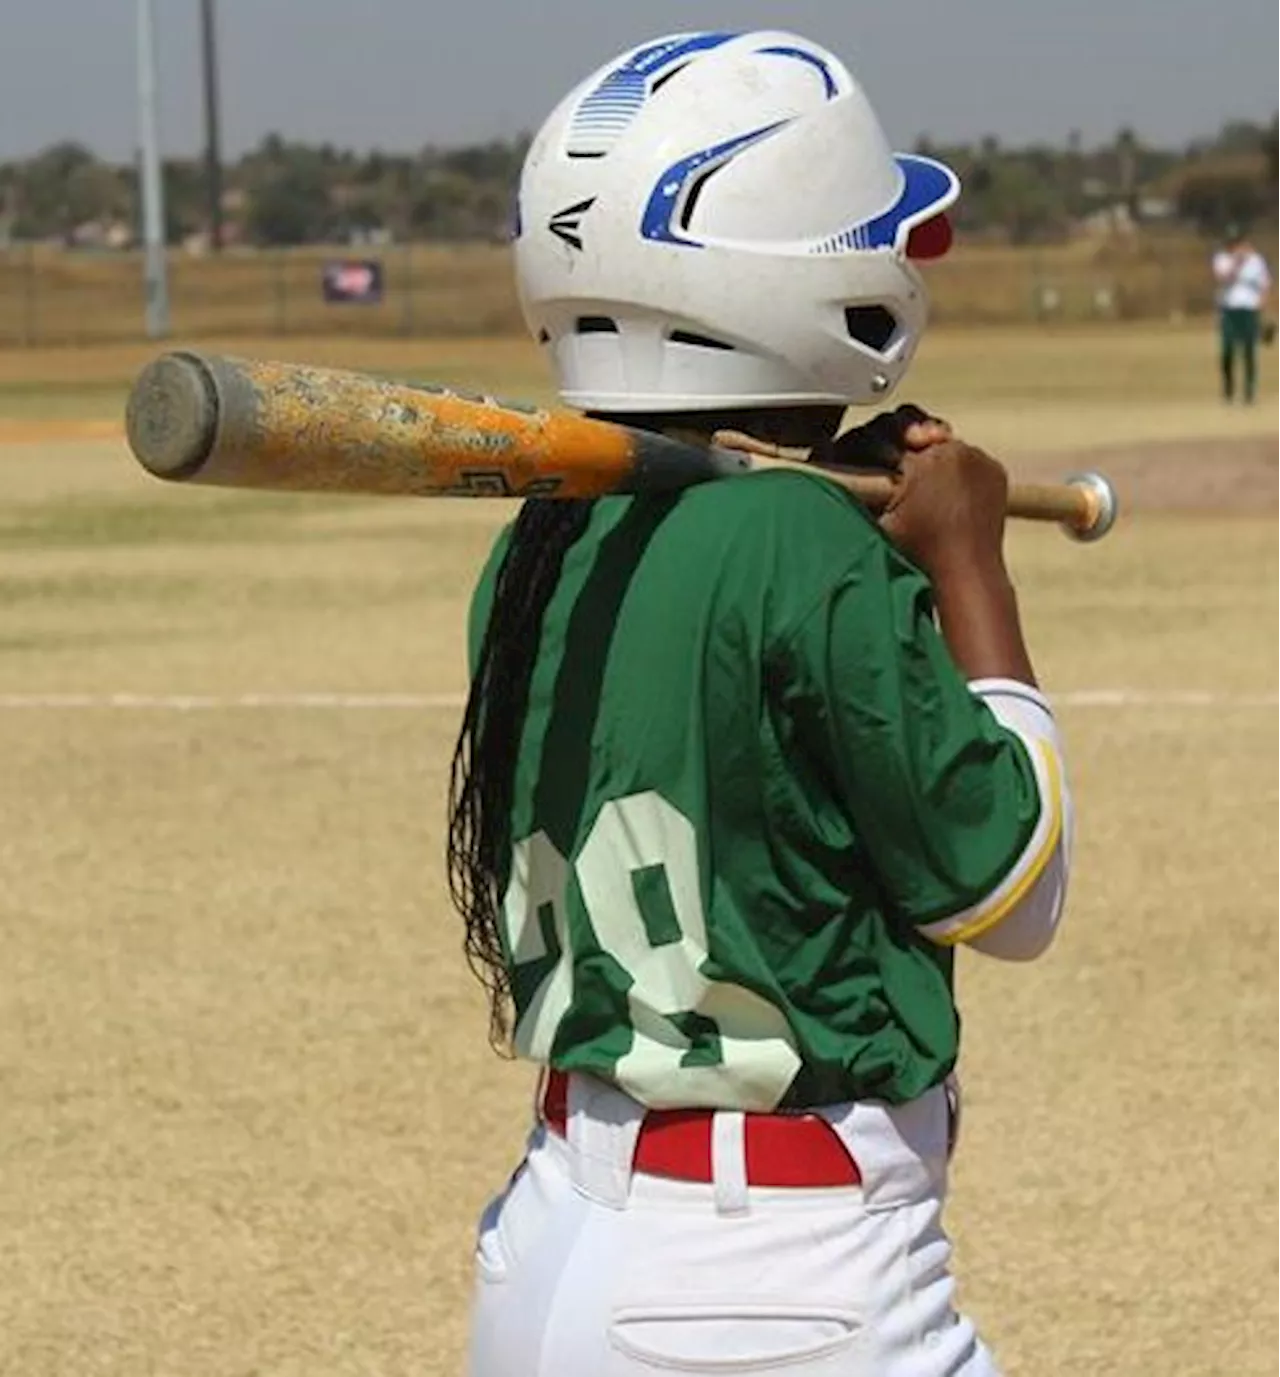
[[290, 427]]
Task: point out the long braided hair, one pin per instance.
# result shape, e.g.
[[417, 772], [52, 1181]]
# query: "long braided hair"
[[482, 776]]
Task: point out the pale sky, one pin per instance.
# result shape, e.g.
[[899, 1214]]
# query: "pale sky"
[[401, 73]]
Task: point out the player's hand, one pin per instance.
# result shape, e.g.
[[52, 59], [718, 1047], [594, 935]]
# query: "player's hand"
[[947, 512], [881, 442]]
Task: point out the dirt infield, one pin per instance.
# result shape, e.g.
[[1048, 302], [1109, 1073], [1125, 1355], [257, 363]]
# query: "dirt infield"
[[1220, 474]]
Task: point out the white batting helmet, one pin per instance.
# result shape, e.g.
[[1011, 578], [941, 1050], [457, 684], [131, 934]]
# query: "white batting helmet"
[[715, 220]]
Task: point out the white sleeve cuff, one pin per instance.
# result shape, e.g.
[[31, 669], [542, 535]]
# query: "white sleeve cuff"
[[1018, 919], [1021, 708]]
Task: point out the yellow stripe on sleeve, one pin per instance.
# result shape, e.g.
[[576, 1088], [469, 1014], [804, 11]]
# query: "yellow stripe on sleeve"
[[985, 916]]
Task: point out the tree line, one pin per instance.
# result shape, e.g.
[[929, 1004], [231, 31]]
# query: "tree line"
[[285, 192]]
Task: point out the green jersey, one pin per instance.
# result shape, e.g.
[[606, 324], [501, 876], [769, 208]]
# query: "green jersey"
[[749, 777]]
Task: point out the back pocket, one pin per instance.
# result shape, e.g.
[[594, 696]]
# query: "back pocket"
[[732, 1336]]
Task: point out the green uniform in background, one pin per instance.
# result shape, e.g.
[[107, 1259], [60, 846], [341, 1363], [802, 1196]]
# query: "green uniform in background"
[[749, 775], [1243, 283], [1239, 329]]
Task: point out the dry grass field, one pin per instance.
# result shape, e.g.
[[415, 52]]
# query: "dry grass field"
[[247, 1111], [47, 295]]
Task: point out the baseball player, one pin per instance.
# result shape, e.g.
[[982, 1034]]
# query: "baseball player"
[[1243, 282], [741, 767]]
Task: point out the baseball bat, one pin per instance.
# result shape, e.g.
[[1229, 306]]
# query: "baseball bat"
[[207, 418]]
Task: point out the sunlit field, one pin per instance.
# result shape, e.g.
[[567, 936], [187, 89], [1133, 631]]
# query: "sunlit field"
[[249, 1113]]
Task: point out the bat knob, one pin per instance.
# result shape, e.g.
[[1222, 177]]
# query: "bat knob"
[[172, 415], [1101, 507]]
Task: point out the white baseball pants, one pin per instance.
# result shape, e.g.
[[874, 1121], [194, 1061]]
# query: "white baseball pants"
[[584, 1269]]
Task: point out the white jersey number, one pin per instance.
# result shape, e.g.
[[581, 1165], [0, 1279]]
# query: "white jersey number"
[[758, 1057]]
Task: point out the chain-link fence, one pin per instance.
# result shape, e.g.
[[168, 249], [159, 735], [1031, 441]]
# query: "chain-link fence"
[[1127, 278], [54, 296], [51, 296]]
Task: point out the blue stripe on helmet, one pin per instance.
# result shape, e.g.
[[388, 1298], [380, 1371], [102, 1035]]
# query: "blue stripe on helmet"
[[606, 110], [660, 209], [803, 54], [655, 56]]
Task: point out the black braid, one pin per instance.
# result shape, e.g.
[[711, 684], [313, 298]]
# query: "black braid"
[[482, 777]]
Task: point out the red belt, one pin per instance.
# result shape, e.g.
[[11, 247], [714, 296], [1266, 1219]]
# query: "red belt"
[[781, 1149]]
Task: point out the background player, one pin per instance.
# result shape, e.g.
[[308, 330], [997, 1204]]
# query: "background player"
[[1243, 283]]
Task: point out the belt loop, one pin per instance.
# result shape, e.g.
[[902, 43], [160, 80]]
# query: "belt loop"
[[729, 1161], [955, 1108], [601, 1128]]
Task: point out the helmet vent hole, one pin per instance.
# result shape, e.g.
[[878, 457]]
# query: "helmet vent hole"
[[666, 77], [873, 326], [596, 325], [695, 191], [698, 341]]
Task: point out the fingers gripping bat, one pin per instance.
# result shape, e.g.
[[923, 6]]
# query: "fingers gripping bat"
[[289, 427]]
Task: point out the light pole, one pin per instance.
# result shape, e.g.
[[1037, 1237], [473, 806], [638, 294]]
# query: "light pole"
[[155, 274], [212, 153]]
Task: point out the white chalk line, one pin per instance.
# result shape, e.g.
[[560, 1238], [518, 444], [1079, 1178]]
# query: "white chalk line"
[[1162, 698], [381, 702]]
